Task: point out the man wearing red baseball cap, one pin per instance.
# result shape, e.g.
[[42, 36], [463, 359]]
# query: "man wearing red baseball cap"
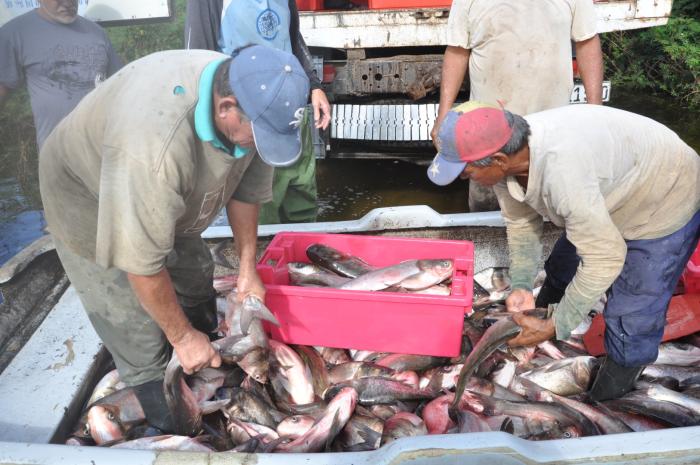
[[625, 189]]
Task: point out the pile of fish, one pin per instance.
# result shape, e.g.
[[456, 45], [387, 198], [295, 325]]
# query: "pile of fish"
[[273, 397], [330, 267]]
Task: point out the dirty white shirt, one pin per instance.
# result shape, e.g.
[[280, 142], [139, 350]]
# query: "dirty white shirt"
[[606, 176], [129, 170], [520, 49]]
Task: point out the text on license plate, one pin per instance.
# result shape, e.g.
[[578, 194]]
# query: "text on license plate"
[[578, 94]]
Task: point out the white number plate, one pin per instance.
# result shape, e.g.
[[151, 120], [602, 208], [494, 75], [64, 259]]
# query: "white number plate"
[[578, 95]]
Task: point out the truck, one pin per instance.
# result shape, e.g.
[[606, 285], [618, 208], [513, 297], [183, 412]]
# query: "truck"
[[380, 64]]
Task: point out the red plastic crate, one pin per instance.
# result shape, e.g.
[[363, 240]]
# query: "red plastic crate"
[[691, 274], [309, 5], [394, 4], [364, 320]]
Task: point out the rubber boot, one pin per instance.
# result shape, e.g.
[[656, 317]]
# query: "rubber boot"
[[613, 380], [548, 295], [152, 399], [203, 317]]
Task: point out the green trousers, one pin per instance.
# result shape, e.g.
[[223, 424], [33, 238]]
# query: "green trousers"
[[294, 187], [138, 346]]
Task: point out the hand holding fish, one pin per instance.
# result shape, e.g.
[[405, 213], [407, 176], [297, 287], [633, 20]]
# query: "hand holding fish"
[[534, 330], [250, 284], [519, 300], [196, 352]]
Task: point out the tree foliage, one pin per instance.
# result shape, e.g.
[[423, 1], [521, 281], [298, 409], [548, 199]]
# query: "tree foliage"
[[663, 59]]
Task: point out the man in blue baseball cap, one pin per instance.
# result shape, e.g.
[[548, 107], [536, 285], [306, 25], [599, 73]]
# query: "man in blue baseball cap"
[[139, 169]]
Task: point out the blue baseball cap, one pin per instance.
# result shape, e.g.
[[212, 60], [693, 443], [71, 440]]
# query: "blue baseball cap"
[[272, 89]]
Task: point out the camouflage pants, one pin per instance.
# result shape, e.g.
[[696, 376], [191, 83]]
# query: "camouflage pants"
[[137, 344], [294, 187]]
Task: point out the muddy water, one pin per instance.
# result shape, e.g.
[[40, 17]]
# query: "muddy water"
[[350, 188], [347, 188]]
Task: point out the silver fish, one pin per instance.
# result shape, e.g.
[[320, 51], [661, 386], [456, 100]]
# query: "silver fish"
[[565, 377], [423, 274], [493, 337], [403, 425], [675, 353], [305, 274], [290, 377], [108, 384], [339, 262], [336, 415]]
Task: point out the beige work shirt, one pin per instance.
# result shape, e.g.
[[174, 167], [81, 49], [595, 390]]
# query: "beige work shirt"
[[606, 176], [128, 171], [520, 49]]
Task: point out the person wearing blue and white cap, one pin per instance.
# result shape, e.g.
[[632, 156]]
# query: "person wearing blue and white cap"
[[626, 191], [139, 169], [226, 25]]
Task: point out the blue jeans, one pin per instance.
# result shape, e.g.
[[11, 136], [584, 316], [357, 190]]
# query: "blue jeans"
[[635, 314]]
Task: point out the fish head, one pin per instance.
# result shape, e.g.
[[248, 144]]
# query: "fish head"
[[584, 369], [256, 364], [295, 426], [103, 424], [500, 279], [441, 268], [324, 252], [334, 390], [301, 268]]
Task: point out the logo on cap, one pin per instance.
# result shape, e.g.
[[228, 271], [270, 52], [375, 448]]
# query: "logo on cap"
[[272, 89]]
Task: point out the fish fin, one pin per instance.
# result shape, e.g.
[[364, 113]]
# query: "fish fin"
[[211, 406], [255, 308], [461, 386], [333, 431], [367, 434]]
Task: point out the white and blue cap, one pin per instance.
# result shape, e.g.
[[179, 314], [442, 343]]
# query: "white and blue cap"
[[470, 131], [446, 165], [272, 89]]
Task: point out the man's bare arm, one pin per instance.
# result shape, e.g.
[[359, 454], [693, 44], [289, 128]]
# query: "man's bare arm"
[[454, 68], [157, 296], [243, 218], [589, 57]]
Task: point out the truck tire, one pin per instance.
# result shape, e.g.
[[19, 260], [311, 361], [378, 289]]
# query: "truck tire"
[[482, 198]]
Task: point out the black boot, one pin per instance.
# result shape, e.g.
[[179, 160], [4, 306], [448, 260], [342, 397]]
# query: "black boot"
[[548, 295], [155, 407], [203, 317], [613, 380]]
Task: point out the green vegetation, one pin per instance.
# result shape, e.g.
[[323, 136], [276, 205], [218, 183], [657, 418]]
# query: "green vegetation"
[[132, 42], [664, 60]]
